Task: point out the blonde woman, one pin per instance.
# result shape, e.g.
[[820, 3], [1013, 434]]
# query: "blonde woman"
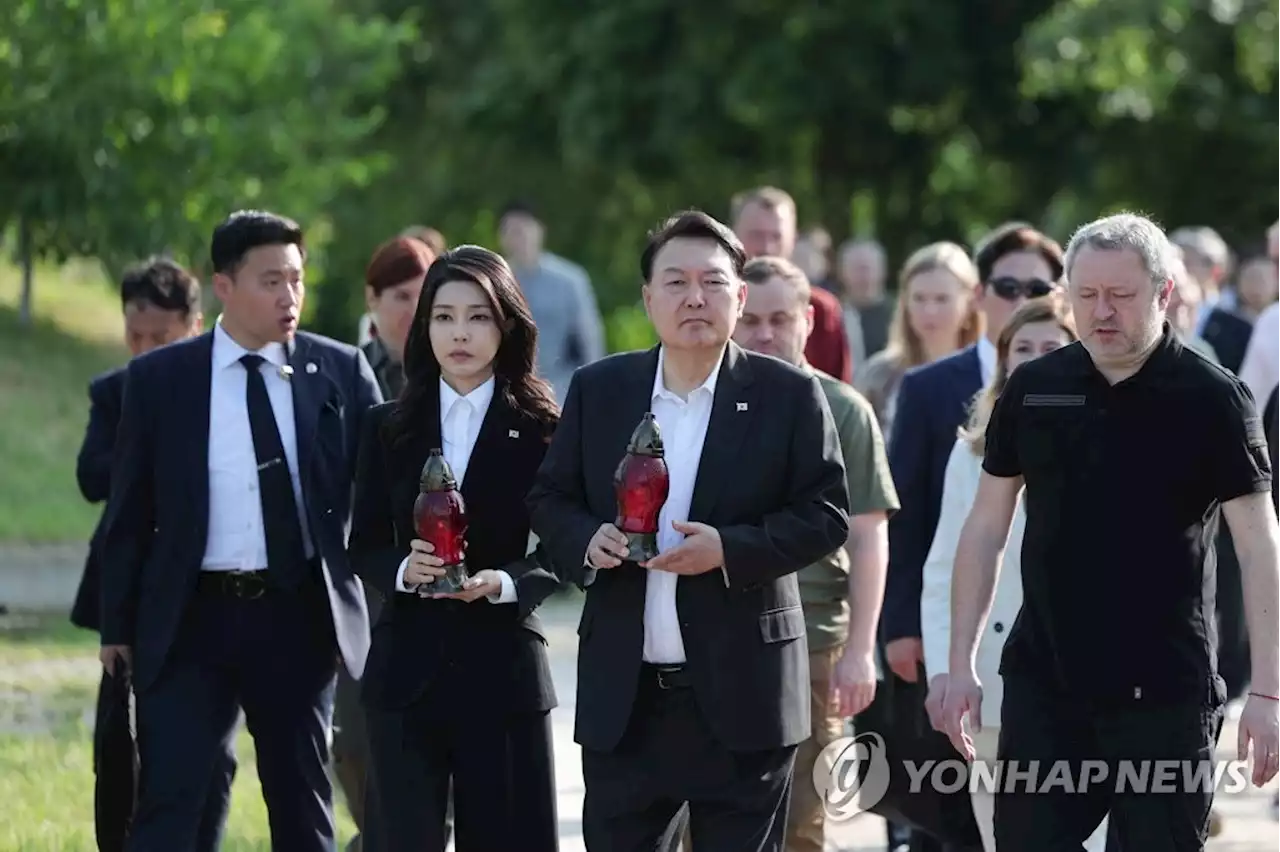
[[1039, 326], [936, 316]]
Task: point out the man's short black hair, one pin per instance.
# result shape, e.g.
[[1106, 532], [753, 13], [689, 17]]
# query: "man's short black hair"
[[692, 225], [160, 283], [245, 230]]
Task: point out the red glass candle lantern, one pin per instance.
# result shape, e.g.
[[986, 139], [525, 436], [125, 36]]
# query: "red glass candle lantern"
[[641, 484], [440, 517]]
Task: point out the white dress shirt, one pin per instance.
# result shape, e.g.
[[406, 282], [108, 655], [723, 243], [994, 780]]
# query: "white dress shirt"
[[460, 421], [1260, 369], [684, 430], [986, 360], [237, 540]]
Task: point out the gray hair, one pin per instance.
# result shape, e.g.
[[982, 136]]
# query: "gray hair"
[[1125, 231], [1204, 241]]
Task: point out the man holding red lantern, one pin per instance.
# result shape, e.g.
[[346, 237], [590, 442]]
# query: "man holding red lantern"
[[693, 681]]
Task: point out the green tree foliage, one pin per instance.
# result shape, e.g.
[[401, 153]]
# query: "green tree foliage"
[[130, 127], [132, 124]]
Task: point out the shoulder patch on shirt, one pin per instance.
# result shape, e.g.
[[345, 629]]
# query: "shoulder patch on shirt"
[[1053, 400], [1253, 431]]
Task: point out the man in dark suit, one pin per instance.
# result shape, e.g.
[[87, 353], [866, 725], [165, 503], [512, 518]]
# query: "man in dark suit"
[[161, 304], [693, 680], [1015, 262], [226, 584]]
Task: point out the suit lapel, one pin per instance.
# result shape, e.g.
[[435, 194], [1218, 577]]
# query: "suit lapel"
[[197, 407], [732, 411], [497, 446], [311, 388]]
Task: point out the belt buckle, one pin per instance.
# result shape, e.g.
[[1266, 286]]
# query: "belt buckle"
[[247, 585], [662, 681]]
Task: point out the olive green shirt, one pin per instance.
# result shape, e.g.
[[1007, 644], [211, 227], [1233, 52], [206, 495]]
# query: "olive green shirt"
[[824, 585]]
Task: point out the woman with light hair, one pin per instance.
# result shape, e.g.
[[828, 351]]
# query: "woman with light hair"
[[1039, 326], [935, 316]]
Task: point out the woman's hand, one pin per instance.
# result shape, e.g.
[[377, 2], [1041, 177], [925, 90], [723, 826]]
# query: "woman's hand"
[[479, 585], [422, 567]]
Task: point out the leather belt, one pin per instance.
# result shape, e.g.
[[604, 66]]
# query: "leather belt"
[[668, 675], [237, 584]]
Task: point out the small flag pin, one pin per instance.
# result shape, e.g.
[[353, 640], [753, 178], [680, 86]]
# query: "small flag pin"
[[513, 433], [742, 406]]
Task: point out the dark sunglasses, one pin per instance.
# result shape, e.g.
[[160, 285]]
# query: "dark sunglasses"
[[1013, 288]]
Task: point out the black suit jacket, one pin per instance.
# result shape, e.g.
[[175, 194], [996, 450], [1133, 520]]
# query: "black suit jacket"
[[770, 480], [93, 474], [933, 402], [158, 512], [1228, 333], [478, 657]]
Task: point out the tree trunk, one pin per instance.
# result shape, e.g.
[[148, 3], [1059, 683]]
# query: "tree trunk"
[[27, 260]]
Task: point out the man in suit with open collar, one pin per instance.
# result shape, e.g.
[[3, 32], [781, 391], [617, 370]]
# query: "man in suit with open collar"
[[226, 584], [693, 681]]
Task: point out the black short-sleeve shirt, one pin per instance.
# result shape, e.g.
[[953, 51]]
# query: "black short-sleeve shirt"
[[1124, 485]]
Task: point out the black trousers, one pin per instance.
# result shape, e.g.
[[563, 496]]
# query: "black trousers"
[[1037, 816], [502, 771], [737, 800], [276, 658]]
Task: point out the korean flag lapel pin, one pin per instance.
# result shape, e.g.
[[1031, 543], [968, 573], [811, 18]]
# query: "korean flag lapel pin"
[[513, 433], [742, 406]]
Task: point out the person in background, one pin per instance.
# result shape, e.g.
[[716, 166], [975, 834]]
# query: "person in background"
[[1261, 367], [764, 219], [392, 284], [1208, 260], [937, 315], [432, 237], [570, 330], [1184, 307], [813, 255], [1229, 326], [1015, 262], [841, 592], [458, 689], [868, 312], [1037, 328], [366, 330], [226, 584], [161, 304]]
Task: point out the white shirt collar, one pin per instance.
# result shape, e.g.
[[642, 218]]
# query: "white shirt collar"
[[660, 386], [986, 360], [226, 352], [478, 399]]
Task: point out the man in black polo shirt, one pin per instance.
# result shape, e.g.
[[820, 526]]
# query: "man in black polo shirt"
[[1112, 657]]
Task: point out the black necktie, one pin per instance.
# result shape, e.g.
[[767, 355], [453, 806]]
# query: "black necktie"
[[286, 553]]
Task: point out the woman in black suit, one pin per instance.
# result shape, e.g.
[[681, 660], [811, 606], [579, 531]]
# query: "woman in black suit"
[[458, 687]]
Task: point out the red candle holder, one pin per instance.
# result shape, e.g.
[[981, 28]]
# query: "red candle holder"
[[641, 484], [440, 517]]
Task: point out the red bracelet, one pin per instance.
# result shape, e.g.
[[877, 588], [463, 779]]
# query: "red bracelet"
[[1264, 695]]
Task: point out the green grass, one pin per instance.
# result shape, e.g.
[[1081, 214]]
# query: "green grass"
[[44, 376], [46, 752]]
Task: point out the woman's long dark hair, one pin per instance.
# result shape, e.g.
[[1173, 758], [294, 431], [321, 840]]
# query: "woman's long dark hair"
[[513, 366]]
